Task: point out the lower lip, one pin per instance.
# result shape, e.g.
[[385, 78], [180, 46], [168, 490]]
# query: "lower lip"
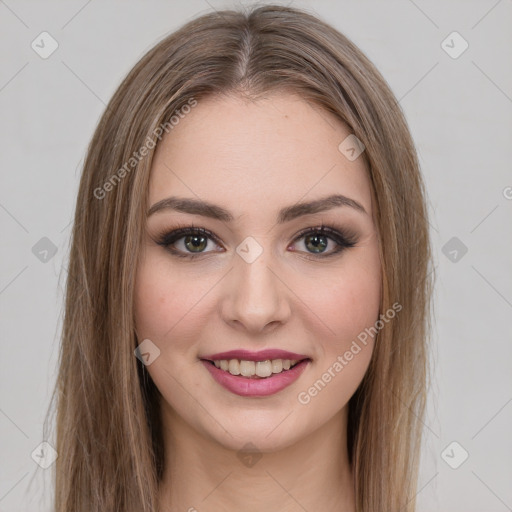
[[244, 386]]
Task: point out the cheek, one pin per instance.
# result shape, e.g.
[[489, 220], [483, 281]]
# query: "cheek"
[[171, 306], [354, 305], [160, 298], [151, 302], [349, 307], [348, 301]]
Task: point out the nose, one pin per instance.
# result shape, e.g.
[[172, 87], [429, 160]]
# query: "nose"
[[257, 298]]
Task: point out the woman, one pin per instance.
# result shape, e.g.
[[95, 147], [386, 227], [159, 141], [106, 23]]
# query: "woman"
[[247, 303]]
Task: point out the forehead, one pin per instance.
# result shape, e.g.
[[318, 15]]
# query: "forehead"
[[254, 155]]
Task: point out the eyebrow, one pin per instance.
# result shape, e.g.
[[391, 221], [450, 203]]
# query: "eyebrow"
[[206, 209]]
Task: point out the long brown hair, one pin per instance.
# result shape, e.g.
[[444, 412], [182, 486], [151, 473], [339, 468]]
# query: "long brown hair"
[[108, 431]]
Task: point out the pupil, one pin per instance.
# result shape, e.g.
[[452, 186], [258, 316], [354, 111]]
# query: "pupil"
[[317, 241], [196, 241]]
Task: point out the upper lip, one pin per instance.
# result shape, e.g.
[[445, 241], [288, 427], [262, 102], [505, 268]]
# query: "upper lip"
[[262, 355]]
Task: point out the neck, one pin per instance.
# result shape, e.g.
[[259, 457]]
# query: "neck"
[[202, 475]]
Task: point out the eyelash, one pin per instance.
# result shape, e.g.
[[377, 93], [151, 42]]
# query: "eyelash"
[[343, 238]]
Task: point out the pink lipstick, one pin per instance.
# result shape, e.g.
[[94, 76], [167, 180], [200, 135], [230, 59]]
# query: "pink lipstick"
[[235, 370]]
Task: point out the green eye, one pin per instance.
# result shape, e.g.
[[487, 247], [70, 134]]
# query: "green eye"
[[317, 243], [195, 240], [195, 243]]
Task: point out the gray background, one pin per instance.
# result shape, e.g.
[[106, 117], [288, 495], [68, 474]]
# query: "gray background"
[[459, 111]]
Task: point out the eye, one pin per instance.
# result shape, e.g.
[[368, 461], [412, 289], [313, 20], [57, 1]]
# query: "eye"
[[193, 241], [317, 240], [190, 241]]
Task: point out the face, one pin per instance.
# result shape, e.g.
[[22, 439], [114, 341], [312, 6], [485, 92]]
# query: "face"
[[260, 277]]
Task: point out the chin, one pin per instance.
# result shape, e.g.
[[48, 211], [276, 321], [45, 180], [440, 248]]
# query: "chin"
[[265, 432]]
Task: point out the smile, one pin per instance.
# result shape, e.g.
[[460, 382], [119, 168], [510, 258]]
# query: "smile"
[[251, 384], [255, 369]]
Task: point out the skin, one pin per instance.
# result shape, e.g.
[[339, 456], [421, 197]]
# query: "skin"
[[254, 158]]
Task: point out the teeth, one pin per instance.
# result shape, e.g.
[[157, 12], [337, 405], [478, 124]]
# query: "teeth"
[[277, 366], [263, 368], [234, 367], [247, 368], [252, 368]]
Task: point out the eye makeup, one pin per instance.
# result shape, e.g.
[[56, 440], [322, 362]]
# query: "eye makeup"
[[315, 236]]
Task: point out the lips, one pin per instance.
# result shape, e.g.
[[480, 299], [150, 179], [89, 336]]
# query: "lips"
[[240, 379]]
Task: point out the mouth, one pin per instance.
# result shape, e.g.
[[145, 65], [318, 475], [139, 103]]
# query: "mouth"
[[249, 369], [255, 374]]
